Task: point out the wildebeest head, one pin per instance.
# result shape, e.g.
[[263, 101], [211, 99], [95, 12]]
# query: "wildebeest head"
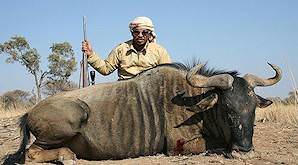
[[236, 99]]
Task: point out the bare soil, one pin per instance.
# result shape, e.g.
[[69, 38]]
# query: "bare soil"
[[275, 143]]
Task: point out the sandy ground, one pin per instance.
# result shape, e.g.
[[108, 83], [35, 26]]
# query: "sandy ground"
[[274, 143]]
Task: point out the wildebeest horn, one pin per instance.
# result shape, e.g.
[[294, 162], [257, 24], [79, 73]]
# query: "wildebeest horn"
[[223, 81], [254, 81]]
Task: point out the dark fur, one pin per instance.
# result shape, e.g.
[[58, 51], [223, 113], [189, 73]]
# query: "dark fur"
[[205, 70]]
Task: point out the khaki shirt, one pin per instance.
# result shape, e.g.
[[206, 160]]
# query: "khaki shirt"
[[129, 61]]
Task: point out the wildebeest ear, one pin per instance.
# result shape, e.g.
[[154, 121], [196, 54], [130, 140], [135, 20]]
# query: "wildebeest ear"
[[262, 102], [205, 104]]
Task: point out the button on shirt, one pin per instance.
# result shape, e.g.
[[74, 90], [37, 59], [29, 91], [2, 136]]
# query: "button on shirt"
[[129, 61]]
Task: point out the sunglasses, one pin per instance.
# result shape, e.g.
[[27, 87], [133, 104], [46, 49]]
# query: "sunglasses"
[[144, 32]]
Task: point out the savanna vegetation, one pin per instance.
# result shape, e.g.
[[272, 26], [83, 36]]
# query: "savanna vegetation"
[[50, 80], [282, 110]]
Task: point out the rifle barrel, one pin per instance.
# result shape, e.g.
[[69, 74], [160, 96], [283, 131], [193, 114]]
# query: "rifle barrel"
[[84, 28], [84, 68]]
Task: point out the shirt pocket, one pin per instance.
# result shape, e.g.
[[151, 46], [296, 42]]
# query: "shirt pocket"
[[129, 60], [151, 58]]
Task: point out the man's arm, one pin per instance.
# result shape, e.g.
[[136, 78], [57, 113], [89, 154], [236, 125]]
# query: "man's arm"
[[104, 67]]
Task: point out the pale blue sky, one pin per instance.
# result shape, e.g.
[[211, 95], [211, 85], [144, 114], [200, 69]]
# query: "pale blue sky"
[[230, 34]]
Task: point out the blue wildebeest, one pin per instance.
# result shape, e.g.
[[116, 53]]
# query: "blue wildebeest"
[[168, 109]]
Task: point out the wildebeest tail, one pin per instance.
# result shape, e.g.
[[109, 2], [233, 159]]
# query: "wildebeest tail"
[[19, 156]]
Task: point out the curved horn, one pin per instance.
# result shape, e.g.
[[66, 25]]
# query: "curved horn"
[[257, 81], [223, 81]]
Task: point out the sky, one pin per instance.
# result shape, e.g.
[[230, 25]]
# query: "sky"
[[230, 34]]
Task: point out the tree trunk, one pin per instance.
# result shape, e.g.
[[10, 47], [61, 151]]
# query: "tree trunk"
[[37, 84]]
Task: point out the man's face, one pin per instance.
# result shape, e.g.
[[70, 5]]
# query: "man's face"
[[140, 36]]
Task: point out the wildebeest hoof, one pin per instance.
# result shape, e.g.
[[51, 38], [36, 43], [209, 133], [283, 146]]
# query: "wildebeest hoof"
[[244, 155]]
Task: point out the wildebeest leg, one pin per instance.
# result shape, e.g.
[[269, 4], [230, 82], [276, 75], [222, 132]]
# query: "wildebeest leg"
[[195, 146], [81, 147], [37, 154]]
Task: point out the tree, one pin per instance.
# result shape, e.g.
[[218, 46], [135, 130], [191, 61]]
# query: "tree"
[[55, 86], [16, 98], [292, 97], [62, 64], [61, 61], [19, 50]]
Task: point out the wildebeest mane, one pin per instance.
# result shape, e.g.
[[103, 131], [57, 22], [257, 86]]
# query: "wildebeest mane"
[[205, 70]]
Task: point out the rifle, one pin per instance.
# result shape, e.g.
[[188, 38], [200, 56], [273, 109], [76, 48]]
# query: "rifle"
[[84, 78]]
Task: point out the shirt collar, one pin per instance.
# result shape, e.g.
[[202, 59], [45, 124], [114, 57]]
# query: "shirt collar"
[[131, 48]]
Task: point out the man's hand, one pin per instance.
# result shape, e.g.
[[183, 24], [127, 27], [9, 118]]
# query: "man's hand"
[[86, 48]]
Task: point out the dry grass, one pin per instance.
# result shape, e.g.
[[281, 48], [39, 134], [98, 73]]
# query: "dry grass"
[[8, 113], [286, 114]]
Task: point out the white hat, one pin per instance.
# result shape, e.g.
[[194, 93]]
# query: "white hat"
[[145, 23], [142, 22]]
